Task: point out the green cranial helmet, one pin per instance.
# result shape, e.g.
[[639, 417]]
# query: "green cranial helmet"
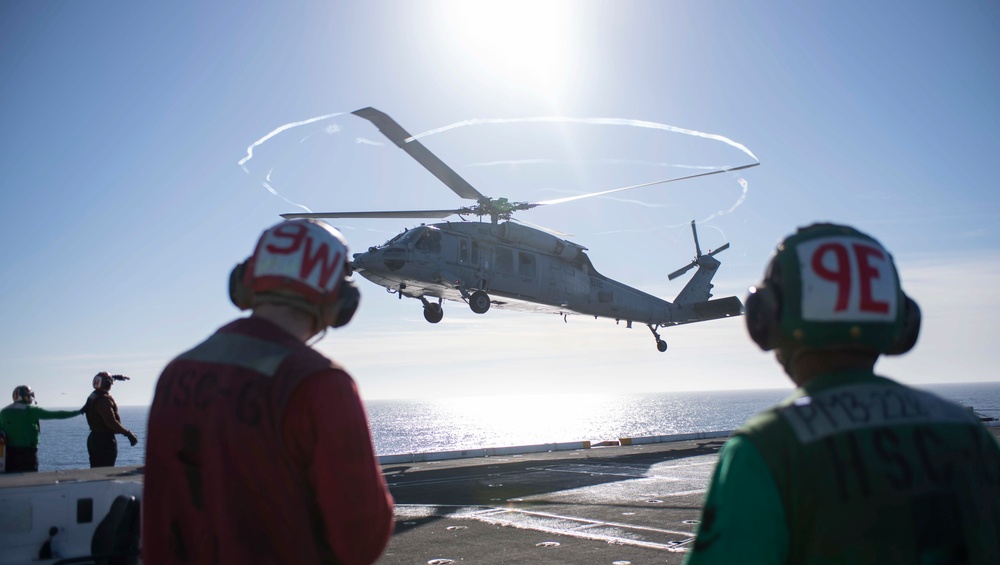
[[832, 286]]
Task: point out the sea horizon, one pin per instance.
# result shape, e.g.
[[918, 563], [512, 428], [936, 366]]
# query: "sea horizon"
[[473, 422]]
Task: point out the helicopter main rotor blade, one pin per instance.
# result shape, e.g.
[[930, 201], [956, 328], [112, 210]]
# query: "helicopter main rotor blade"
[[421, 154], [386, 214], [582, 196]]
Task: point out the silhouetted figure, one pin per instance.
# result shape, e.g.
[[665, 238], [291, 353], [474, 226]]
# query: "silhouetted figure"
[[853, 467], [104, 421], [20, 421], [258, 446]]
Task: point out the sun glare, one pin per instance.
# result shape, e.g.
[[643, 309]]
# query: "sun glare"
[[527, 418], [523, 45]]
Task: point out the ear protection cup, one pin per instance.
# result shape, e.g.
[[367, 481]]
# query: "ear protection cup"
[[342, 310], [302, 264], [762, 310], [335, 315], [239, 292], [911, 328]]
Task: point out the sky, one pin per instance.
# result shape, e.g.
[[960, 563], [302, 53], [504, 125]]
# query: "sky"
[[147, 144]]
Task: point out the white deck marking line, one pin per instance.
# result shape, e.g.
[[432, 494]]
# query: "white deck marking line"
[[592, 471], [442, 481], [549, 523]]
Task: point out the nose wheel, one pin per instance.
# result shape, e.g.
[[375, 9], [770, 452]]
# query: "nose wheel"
[[661, 345]]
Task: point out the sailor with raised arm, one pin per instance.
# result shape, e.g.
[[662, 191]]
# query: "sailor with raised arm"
[[104, 421], [20, 426]]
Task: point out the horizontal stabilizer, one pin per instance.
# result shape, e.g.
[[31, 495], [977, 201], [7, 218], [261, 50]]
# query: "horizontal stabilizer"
[[720, 308], [713, 309]]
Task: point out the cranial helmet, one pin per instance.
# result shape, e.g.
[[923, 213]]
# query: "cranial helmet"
[[102, 381], [299, 263], [831, 286], [23, 393]]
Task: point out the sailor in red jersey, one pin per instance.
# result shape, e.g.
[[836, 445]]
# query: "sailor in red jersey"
[[259, 449]]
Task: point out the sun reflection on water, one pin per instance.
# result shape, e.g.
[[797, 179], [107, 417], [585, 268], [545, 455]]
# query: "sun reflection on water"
[[449, 424]]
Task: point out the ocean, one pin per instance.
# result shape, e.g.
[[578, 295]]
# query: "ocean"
[[400, 426]]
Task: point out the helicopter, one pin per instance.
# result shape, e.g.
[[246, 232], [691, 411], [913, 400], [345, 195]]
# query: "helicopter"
[[510, 264]]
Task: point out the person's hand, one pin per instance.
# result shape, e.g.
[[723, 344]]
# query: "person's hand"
[[132, 439]]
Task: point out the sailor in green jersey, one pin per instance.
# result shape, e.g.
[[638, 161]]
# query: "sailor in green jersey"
[[20, 422], [852, 467]]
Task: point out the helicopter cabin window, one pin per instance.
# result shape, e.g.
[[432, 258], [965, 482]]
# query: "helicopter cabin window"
[[475, 252], [430, 241], [526, 264], [463, 251], [505, 260]]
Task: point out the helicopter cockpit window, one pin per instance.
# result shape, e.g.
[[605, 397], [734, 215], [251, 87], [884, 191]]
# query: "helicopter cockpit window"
[[429, 240], [402, 239], [475, 252]]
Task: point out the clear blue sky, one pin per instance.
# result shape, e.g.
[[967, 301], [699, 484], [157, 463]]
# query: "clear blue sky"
[[124, 206]]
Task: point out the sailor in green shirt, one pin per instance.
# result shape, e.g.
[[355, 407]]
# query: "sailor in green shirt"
[[20, 423], [852, 467]]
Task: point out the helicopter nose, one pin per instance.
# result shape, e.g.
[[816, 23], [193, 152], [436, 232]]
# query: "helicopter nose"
[[394, 258], [358, 263]]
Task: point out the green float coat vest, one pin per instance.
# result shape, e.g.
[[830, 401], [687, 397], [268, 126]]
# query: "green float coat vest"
[[20, 421], [870, 471]]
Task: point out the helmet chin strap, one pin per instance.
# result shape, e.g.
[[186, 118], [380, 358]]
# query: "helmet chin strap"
[[786, 357], [318, 337], [318, 326]]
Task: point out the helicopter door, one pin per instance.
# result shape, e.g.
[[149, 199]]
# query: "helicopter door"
[[429, 241], [470, 268], [515, 272], [468, 254], [428, 246]]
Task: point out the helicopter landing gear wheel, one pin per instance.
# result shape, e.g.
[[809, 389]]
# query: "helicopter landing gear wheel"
[[479, 302], [661, 345], [433, 313]]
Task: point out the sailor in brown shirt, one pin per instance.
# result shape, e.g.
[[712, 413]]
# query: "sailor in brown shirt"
[[102, 416]]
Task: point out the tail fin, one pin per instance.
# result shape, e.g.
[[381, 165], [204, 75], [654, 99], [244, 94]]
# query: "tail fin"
[[699, 288]]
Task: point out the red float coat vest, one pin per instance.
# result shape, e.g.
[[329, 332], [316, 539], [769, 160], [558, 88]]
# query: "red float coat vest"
[[221, 484]]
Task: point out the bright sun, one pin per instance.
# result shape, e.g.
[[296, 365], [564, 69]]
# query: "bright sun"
[[525, 45]]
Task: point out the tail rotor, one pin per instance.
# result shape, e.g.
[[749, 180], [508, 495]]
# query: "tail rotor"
[[698, 255]]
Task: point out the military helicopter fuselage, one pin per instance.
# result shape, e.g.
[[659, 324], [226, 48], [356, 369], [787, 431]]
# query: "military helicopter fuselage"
[[508, 264], [516, 267]]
